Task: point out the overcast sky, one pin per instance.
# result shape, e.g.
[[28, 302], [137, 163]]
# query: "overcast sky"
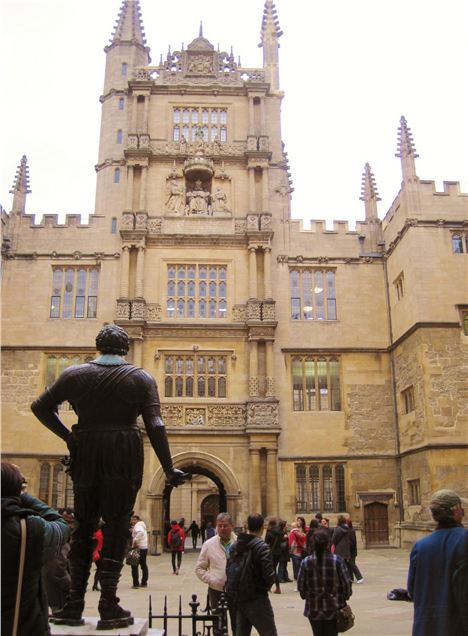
[[349, 70]]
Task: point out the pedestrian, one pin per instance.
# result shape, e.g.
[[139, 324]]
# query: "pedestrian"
[[283, 574], [203, 531], [98, 536], [341, 541], [297, 543], [210, 531], [194, 530], [325, 585], [56, 570], [176, 542], [106, 463], [211, 563], [140, 541], [354, 571], [249, 578], [302, 524], [313, 527], [273, 539], [45, 533], [433, 561]]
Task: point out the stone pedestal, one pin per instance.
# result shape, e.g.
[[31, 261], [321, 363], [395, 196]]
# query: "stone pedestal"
[[139, 628]]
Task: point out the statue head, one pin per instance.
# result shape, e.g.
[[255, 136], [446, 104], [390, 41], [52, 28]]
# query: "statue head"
[[112, 339]]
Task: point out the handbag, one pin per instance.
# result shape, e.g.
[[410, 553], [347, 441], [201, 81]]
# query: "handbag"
[[344, 618], [133, 557]]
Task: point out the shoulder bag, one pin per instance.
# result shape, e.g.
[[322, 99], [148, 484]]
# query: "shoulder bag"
[[20, 577]]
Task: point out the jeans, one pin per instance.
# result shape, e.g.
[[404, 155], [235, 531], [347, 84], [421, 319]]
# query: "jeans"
[[176, 555], [283, 574], [324, 628], [256, 613], [144, 569], [353, 569], [296, 563]]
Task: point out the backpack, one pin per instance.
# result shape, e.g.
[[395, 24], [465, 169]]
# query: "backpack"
[[240, 579], [176, 539], [460, 587]]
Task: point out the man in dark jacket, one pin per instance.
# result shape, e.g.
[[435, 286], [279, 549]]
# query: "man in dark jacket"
[[432, 563], [106, 453], [341, 539], [46, 533], [255, 610]]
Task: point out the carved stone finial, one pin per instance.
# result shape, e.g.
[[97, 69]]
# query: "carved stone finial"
[[406, 151], [369, 193], [20, 186]]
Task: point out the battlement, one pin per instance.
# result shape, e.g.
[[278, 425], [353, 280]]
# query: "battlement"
[[52, 221], [319, 226]]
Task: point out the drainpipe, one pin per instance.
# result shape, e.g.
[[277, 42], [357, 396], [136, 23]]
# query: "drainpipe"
[[395, 406]]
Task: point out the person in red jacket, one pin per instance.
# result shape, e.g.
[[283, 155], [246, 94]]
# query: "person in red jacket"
[[176, 543]]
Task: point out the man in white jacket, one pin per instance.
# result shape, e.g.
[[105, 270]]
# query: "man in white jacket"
[[140, 541], [211, 563]]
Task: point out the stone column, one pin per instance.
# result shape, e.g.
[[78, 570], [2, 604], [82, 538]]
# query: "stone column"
[[255, 498], [144, 178], [124, 271], [262, 116], [140, 270], [137, 352], [253, 369], [145, 114], [252, 206], [267, 272], [129, 193], [270, 373], [134, 113], [272, 482], [252, 272], [265, 190], [251, 116]]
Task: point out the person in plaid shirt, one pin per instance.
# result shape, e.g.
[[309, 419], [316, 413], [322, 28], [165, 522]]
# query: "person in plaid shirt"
[[325, 584]]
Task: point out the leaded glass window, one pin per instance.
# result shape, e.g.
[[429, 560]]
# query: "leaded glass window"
[[313, 295], [196, 291], [210, 122], [186, 374], [320, 488], [74, 292], [316, 383]]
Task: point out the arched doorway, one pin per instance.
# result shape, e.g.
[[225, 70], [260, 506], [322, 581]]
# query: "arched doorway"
[[209, 509], [376, 524]]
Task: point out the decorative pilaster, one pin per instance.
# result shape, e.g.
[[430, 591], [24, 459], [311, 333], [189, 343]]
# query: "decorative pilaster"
[[255, 497], [265, 189], [251, 116], [253, 369], [267, 272], [129, 193], [272, 482], [140, 269], [270, 373], [252, 206], [143, 186], [124, 271], [252, 272]]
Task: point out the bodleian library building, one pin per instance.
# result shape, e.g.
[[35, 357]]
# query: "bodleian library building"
[[299, 370]]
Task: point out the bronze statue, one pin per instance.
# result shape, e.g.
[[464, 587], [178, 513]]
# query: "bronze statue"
[[106, 463]]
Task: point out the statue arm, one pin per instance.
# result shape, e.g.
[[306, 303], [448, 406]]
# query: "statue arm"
[[45, 408]]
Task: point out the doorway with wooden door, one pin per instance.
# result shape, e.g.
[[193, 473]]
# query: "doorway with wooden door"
[[376, 524]]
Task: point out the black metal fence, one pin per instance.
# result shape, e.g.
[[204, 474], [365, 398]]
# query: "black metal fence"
[[211, 623]]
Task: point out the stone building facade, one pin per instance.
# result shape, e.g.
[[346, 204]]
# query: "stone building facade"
[[299, 369]]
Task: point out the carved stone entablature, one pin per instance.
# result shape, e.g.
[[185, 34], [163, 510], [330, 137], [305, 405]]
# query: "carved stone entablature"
[[77, 255], [254, 310], [138, 142], [240, 226], [122, 310], [141, 219], [253, 222], [239, 313], [282, 258], [322, 259], [261, 332], [138, 310], [207, 148], [127, 222], [220, 416], [262, 415], [268, 310], [154, 312], [154, 225], [265, 222]]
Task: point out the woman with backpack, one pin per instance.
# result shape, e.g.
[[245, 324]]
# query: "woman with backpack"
[[176, 543], [325, 585]]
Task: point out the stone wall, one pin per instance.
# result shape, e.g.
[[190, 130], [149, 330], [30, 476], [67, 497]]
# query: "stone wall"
[[20, 379], [370, 419]]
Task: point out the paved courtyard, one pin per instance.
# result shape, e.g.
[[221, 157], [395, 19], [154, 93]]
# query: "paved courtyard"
[[383, 570]]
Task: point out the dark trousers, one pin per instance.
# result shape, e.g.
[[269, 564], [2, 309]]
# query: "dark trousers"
[[176, 556], [324, 628], [276, 559], [296, 563], [144, 569], [256, 613], [354, 571], [214, 597], [283, 574]]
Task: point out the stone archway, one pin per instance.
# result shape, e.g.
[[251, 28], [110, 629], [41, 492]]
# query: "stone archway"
[[198, 463]]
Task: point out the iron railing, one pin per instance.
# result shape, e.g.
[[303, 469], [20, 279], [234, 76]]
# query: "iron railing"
[[207, 620]]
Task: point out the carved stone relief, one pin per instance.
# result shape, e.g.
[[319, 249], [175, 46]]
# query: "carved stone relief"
[[239, 313], [154, 312], [263, 415]]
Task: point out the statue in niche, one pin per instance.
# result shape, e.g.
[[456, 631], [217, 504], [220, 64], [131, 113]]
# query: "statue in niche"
[[198, 200], [219, 201], [176, 200]]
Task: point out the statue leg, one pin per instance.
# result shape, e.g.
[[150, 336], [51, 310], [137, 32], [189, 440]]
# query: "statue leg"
[[80, 560]]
